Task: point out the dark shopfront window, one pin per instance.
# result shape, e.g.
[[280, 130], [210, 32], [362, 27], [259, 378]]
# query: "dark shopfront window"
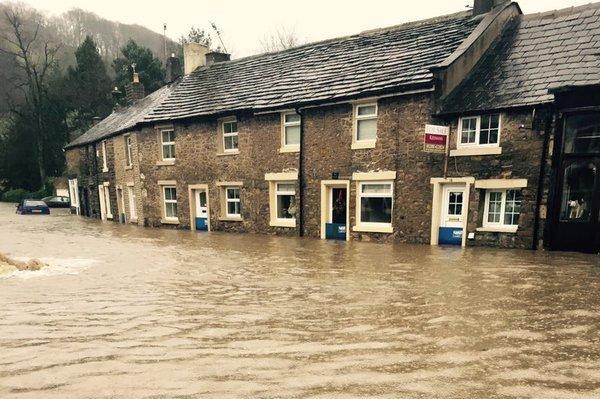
[[582, 133], [578, 191]]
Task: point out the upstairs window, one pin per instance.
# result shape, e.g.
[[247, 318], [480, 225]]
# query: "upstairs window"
[[582, 133], [168, 145], [104, 156], [365, 125], [502, 208], [479, 131], [291, 131], [128, 145], [230, 136]]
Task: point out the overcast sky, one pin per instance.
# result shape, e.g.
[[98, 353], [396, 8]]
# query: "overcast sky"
[[245, 22]]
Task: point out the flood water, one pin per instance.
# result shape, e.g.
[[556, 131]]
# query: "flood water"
[[128, 312]]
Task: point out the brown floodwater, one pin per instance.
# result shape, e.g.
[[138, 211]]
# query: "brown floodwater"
[[128, 312]]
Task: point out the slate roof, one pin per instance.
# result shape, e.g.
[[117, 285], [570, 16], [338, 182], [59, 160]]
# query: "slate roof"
[[122, 119], [386, 60], [534, 54]]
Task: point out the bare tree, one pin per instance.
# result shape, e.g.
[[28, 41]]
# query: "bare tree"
[[35, 60], [278, 40]]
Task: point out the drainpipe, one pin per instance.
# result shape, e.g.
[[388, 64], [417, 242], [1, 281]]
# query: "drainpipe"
[[301, 176], [540, 187]]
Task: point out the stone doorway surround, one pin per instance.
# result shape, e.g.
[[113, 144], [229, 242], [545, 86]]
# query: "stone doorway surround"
[[326, 185], [438, 201], [192, 200]]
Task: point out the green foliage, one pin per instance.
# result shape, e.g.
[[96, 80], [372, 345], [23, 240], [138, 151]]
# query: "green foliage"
[[87, 88], [196, 35], [19, 194], [150, 69]]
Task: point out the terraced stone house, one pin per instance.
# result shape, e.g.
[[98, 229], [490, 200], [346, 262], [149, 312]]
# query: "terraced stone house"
[[326, 139]]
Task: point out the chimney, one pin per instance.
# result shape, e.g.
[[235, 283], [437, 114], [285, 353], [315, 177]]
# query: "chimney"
[[216, 56], [485, 6], [95, 120], [194, 55], [134, 91], [173, 68]]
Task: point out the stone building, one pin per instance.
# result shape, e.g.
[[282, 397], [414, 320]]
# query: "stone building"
[[326, 139]]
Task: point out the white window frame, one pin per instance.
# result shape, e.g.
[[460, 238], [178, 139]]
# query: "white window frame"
[[167, 143], [170, 201], [284, 125], [373, 226], [500, 226], [370, 143], [476, 144], [232, 134], [132, 205], [228, 200], [104, 160], [128, 151]]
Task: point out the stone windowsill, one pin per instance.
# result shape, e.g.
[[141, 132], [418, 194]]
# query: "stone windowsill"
[[169, 221], [475, 151], [284, 150], [128, 167], [165, 162], [104, 170], [283, 223], [498, 229], [372, 228], [133, 220], [222, 154], [230, 219], [362, 145]]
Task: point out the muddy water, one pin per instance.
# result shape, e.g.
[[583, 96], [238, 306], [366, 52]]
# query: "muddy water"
[[126, 312]]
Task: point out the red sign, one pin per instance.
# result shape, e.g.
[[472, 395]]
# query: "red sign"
[[436, 138]]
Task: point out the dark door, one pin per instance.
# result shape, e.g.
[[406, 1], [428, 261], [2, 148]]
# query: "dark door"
[[577, 222], [335, 229]]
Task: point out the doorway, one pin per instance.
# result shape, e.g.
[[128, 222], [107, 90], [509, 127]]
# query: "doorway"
[[104, 197], [334, 211], [452, 215], [199, 207]]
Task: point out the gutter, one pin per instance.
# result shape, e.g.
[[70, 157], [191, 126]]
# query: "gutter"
[[299, 111], [542, 175]]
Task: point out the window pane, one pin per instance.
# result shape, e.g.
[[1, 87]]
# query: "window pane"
[[230, 127], [168, 136], [168, 151], [578, 191], [377, 189], [233, 208], [170, 193], [376, 210], [286, 208], [512, 209], [495, 207], [366, 110], [233, 193], [469, 128], [286, 187], [292, 118], [455, 202], [367, 129], [171, 209], [231, 142], [582, 133], [292, 135]]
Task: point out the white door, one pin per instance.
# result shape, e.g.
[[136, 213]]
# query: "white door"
[[201, 207], [131, 197], [453, 210], [102, 198], [74, 195]]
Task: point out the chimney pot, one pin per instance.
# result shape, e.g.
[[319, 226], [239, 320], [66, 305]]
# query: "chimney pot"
[[173, 68], [194, 56], [136, 77], [485, 6]]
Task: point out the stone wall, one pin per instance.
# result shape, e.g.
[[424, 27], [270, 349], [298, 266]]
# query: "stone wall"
[[126, 176]]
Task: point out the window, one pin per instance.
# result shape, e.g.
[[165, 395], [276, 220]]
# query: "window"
[[230, 136], [286, 200], [128, 156], [479, 131], [233, 203], [578, 191], [291, 131], [132, 207], [502, 208], [376, 199], [104, 154], [168, 144], [582, 133], [365, 125], [170, 202]]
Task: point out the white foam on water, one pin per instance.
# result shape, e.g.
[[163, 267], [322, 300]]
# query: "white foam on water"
[[56, 266]]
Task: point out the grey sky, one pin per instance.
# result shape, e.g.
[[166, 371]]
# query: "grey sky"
[[245, 23]]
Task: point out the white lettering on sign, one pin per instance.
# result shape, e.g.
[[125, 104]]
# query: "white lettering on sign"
[[437, 129]]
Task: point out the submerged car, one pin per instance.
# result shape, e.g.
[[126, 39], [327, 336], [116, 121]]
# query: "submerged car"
[[30, 207], [57, 202]]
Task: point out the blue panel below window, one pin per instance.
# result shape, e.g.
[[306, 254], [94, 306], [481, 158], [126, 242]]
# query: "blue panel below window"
[[335, 231], [450, 236], [201, 224]]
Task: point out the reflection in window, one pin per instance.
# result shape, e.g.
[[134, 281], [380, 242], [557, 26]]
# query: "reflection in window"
[[582, 133], [455, 202], [578, 189], [376, 203]]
